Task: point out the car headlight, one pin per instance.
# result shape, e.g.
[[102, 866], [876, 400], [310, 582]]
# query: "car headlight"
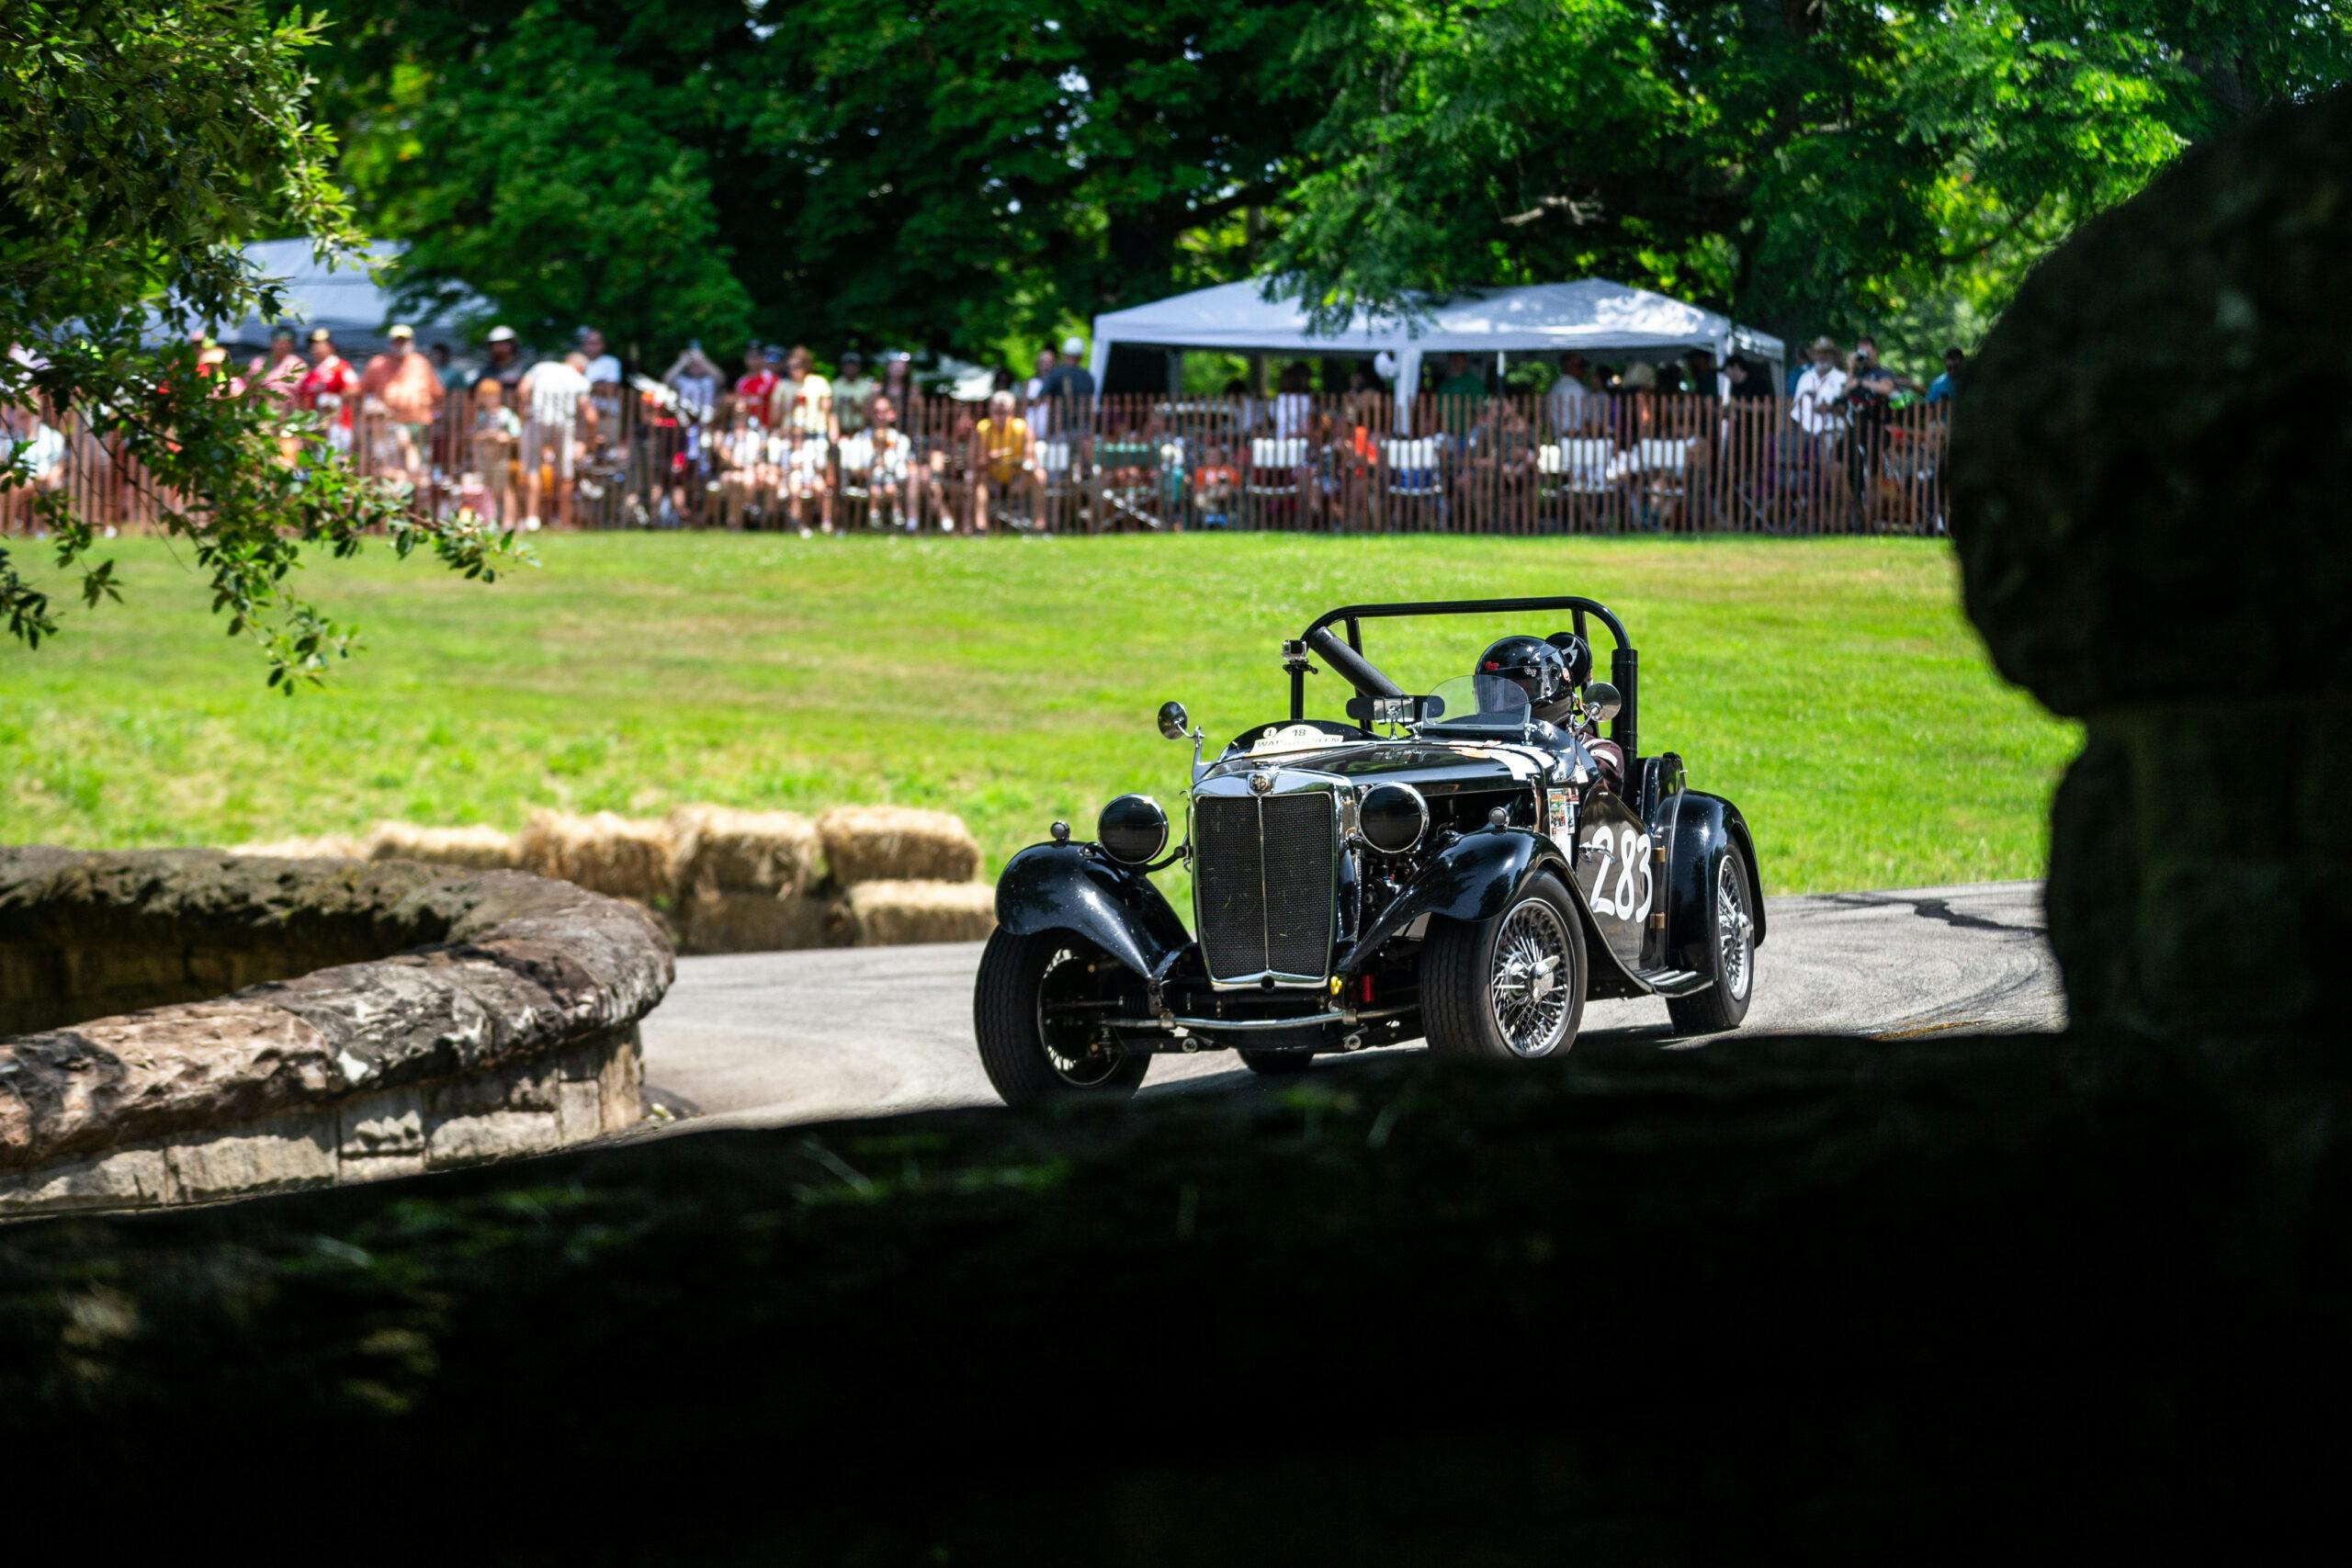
[[1133, 829], [1392, 817]]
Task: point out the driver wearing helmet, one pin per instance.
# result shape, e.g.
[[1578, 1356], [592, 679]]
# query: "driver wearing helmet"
[[1551, 672]]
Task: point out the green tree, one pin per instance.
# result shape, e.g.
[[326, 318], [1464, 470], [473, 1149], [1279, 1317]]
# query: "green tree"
[[140, 141], [949, 173], [1805, 164]]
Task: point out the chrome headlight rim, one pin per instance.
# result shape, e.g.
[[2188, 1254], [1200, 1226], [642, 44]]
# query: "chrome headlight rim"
[[1115, 837]]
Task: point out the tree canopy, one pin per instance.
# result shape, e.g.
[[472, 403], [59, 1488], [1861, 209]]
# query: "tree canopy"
[[141, 143], [951, 172], [942, 174]]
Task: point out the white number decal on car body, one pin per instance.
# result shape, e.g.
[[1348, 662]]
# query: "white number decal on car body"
[[1627, 851], [1603, 843], [1637, 852]]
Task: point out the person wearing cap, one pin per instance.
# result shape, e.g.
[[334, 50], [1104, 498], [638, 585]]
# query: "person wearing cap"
[[852, 390], [400, 385], [1820, 391], [327, 386], [506, 367], [1069, 389]]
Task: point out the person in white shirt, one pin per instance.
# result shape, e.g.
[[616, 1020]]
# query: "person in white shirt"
[[32, 442], [1817, 405], [1573, 406], [554, 396], [1293, 403]]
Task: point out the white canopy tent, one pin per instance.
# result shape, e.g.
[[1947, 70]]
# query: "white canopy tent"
[[344, 299], [1592, 317]]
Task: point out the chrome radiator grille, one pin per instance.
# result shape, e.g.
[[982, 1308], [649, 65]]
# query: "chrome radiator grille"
[[1262, 870]]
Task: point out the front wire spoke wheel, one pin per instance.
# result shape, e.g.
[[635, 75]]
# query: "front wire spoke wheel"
[[1077, 1059], [1531, 1003]]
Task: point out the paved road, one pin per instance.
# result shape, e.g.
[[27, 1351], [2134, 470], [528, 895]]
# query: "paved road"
[[761, 1038]]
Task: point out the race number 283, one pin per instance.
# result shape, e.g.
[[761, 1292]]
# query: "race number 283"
[[1624, 857]]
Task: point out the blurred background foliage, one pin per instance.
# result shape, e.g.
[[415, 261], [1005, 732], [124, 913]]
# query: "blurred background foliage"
[[955, 174]]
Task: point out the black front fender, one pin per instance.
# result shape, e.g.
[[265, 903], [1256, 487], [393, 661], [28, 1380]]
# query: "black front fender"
[[1703, 827], [1072, 887], [1470, 879]]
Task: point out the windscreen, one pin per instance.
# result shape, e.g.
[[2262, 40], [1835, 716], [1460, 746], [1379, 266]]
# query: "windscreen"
[[1479, 704]]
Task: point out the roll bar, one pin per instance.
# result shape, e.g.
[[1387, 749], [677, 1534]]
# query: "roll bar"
[[1348, 661]]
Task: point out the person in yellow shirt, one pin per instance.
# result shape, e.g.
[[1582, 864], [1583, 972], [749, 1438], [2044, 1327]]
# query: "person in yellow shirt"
[[1005, 460]]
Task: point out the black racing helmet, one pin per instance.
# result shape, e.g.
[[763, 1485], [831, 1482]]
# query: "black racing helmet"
[[1532, 665], [1577, 652]]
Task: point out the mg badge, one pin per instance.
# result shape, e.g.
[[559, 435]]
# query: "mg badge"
[[1260, 784]]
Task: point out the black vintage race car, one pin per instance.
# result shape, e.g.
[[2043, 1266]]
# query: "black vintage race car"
[[1467, 865]]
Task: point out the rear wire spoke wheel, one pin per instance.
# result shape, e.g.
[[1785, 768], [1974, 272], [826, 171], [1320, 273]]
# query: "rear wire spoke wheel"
[[1509, 987], [1729, 922], [1029, 1012]]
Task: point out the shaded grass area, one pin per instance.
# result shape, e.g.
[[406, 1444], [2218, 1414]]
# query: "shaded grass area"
[[1830, 687], [1767, 1300]]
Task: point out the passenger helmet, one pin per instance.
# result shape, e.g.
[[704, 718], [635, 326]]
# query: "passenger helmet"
[[1532, 664], [1577, 652]]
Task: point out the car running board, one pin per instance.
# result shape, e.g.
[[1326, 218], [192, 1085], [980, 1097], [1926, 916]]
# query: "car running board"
[[1673, 982]]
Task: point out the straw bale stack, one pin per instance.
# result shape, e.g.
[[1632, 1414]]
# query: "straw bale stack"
[[324, 846], [714, 920], [624, 857], [885, 913], [721, 849], [477, 848], [897, 843]]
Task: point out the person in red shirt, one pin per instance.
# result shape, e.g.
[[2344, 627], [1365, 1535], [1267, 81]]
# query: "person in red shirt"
[[756, 386], [329, 375]]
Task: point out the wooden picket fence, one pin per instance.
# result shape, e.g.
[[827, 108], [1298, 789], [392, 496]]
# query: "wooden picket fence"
[[1633, 463]]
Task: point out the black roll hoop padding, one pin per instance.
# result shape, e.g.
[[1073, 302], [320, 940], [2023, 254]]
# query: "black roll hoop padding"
[[1352, 666]]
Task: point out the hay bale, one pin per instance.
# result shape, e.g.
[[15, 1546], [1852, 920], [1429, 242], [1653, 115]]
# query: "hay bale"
[[325, 846], [886, 913], [716, 920], [625, 857], [719, 848], [897, 843], [477, 848]]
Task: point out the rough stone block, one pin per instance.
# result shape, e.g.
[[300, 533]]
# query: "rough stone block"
[[579, 1110], [498, 1134], [125, 1179], [390, 1124], [274, 1157], [623, 1083], [518, 1086], [350, 1172]]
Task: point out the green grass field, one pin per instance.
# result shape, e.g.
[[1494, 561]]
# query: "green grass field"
[[1830, 687]]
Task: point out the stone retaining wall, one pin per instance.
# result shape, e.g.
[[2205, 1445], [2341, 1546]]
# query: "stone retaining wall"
[[491, 1013]]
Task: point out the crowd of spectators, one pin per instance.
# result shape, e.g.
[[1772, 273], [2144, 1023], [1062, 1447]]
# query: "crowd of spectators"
[[524, 439]]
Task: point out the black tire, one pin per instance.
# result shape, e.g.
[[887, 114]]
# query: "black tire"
[[1277, 1064], [1026, 1066], [1461, 971], [1731, 956]]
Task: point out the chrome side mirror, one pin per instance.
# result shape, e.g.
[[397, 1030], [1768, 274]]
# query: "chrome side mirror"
[[1174, 722], [1601, 701]]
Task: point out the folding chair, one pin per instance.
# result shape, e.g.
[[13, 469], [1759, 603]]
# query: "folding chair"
[[1413, 470], [1274, 465], [854, 459], [1576, 468]]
